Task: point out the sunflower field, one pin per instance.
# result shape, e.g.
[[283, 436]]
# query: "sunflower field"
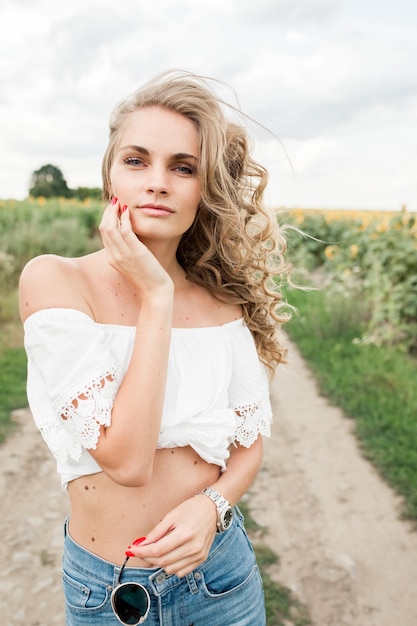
[[355, 323], [369, 260]]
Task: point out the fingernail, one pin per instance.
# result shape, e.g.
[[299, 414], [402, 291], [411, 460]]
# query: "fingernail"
[[124, 208], [138, 541], [113, 200], [129, 553]]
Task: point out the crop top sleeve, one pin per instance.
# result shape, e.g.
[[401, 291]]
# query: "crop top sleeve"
[[249, 390], [216, 393]]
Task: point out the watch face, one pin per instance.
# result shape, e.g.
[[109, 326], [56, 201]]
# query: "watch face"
[[227, 518]]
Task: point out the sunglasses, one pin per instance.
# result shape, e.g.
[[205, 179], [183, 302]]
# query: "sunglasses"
[[130, 601]]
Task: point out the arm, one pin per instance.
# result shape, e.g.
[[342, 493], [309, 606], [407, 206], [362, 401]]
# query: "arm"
[[182, 540], [126, 449], [242, 468]]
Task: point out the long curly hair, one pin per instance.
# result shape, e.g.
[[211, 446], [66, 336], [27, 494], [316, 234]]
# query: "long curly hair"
[[234, 248]]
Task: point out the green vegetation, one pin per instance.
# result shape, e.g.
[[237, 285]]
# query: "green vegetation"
[[358, 333], [282, 607], [33, 227], [49, 182], [12, 386], [373, 262], [29, 228]]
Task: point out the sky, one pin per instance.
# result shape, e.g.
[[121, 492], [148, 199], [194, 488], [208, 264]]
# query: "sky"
[[333, 81]]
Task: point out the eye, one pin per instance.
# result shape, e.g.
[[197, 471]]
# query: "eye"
[[133, 160], [186, 169]]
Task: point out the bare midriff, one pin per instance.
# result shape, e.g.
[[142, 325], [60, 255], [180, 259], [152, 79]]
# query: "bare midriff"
[[106, 517]]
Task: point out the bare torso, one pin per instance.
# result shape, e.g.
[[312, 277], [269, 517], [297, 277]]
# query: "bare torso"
[[107, 517]]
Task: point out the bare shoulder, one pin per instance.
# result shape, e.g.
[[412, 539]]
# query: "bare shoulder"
[[49, 281]]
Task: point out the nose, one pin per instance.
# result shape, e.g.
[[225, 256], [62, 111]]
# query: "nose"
[[157, 181]]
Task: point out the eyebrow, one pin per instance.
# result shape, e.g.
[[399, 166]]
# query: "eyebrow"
[[176, 155]]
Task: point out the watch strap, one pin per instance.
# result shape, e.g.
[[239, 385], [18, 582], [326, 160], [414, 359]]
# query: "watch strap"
[[221, 504]]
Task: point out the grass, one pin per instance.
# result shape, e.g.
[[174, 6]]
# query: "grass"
[[374, 385], [12, 386], [282, 607]]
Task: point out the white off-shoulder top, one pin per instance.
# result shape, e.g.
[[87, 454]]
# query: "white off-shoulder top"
[[217, 389]]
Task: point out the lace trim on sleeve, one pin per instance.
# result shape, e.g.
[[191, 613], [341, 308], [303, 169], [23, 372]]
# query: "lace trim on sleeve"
[[254, 419], [83, 408]]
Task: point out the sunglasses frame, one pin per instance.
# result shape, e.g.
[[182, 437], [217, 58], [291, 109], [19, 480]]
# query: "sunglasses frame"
[[135, 584]]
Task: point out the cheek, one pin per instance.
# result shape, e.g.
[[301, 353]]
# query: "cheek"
[[196, 196], [112, 181], [193, 209], [118, 184]]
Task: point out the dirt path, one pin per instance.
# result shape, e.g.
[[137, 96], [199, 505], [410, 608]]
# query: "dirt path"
[[331, 519]]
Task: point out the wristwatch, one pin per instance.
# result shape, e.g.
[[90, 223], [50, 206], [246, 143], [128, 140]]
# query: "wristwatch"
[[224, 510]]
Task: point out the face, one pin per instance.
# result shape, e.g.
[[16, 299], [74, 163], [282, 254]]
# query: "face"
[[155, 172]]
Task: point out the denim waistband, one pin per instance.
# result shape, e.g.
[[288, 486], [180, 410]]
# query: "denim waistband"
[[154, 578]]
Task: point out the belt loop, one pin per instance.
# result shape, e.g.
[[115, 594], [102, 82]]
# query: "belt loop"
[[191, 580], [116, 575]]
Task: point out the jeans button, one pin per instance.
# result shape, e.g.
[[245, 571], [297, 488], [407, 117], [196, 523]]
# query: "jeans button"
[[197, 576], [161, 578]]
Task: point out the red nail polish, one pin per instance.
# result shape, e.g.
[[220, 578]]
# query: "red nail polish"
[[113, 200], [124, 208], [138, 541], [129, 553]]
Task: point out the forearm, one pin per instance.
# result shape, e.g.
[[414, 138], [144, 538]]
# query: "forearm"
[[141, 394], [241, 470], [126, 448]]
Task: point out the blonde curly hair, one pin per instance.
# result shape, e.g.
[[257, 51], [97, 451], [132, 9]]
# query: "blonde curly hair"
[[234, 248]]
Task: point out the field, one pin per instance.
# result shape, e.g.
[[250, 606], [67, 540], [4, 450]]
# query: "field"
[[356, 324], [369, 261], [357, 328], [29, 228]]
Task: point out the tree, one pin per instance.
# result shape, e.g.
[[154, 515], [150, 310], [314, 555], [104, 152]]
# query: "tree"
[[48, 181], [94, 193]]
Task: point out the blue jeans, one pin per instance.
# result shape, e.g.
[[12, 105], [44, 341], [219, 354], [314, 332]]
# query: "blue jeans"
[[226, 590]]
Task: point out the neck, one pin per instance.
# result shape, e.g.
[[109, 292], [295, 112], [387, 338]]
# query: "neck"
[[166, 254]]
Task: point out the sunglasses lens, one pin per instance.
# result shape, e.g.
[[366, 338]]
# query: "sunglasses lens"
[[131, 603]]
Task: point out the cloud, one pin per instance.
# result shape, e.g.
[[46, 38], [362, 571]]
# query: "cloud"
[[287, 12], [331, 79], [326, 77]]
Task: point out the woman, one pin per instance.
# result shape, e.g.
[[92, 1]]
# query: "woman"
[[146, 368]]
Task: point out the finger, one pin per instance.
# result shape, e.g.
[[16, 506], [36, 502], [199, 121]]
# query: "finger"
[[158, 532], [113, 208], [116, 230], [172, 550], [183, 568], [110, 218], [125, 226], [166, 551], [124, 214], [184, 564]]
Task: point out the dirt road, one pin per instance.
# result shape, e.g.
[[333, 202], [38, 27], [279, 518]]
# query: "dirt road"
[[332, 520]]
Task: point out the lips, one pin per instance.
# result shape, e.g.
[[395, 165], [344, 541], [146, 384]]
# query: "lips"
[[155, 209]]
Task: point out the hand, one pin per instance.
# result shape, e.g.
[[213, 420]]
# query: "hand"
[[128, 255], [182, 540]]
